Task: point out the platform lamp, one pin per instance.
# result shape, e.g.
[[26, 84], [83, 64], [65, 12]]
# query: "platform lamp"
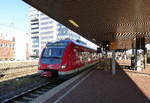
[[106, 45]]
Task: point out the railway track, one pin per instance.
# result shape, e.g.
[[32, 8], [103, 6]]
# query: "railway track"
[[33, 93], [10, 74]]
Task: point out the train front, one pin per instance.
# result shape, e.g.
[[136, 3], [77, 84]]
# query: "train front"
[[51, 58]]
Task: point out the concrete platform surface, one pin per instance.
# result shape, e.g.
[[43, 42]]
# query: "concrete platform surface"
[[100, 86]]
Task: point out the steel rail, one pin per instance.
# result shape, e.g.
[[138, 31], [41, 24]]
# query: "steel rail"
[[33, 93]]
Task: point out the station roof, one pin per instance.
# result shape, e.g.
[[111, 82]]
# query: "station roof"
[[99, 20]]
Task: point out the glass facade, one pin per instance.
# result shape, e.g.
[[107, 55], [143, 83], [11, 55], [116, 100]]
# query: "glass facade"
[[35, 41], [34, 23], [46, 22], [62, 30], [44, 18], [34, 20], [45, 28], [47, 32], [34, 32], [46, 37]]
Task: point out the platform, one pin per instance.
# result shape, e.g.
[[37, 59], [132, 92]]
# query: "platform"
[[100, 86]]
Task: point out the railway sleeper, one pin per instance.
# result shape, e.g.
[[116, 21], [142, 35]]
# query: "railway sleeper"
[[27, 98], [35, 95], [44, 89], [18, 102], [39, 92]]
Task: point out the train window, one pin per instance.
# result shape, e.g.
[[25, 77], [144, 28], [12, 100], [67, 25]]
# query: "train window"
[[76, 52]]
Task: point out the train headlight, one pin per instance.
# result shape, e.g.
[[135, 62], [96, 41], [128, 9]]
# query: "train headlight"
[[39, 66], [40, 71], [63, 66]]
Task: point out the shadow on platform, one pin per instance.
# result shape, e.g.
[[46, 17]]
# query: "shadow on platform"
[[103, 87]]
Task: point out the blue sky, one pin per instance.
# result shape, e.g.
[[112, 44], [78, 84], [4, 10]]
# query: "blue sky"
[[14, 12]]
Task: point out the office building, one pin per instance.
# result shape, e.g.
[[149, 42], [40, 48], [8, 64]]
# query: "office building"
[[47, 30], [34, 30], [44, 29]]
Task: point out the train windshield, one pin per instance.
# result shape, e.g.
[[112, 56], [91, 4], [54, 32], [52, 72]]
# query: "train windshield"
[[53, 52], [52, 55]]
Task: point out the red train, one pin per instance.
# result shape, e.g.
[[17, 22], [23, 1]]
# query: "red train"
[[65, 58]]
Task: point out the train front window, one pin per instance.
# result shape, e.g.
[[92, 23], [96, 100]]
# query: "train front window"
[[53, 52]]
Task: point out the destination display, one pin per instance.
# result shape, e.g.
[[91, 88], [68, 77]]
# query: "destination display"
[[56, 44]]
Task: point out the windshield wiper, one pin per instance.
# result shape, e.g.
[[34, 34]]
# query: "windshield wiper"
[[56, 56], [51, 57]]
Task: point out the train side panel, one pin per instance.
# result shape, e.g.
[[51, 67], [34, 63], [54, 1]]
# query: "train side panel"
[[74, 60]]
